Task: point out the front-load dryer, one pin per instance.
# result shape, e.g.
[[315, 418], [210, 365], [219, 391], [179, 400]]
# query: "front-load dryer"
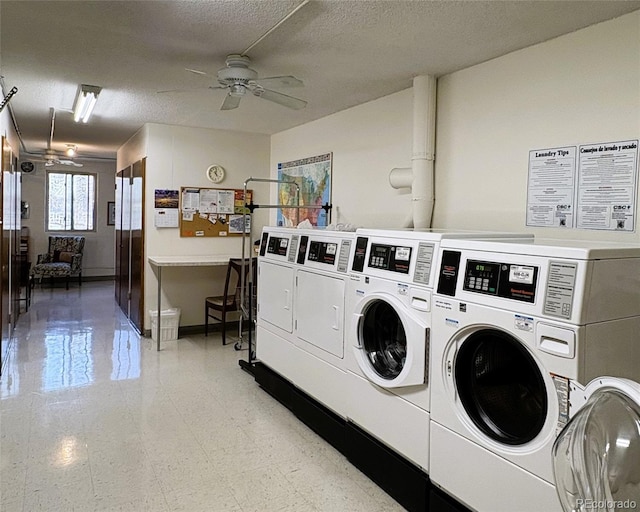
[[387, 349], [321, 271], [275, 308], [516, 328]]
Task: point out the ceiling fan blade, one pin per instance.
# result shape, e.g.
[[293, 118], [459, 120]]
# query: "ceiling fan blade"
[[280, 81], [196, 71], [230, 102], [280, 99], [182, 90]]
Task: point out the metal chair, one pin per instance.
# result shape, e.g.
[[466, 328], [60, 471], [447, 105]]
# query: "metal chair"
[[218, 307]]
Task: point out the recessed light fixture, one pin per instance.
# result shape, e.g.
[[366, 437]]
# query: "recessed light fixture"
[[85, 101]]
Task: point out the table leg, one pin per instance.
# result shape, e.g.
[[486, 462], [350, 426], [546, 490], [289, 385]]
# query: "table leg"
[[159, 304]]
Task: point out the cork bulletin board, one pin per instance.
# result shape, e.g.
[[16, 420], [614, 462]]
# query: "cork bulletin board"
[[213, 212]]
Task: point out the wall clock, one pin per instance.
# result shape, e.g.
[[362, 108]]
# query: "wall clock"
[[215, 173], [27, 167]]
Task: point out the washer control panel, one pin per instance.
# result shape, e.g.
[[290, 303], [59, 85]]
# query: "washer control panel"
[[505, 280]]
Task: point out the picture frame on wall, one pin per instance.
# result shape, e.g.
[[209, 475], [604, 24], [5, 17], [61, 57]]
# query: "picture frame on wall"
[[111, 213]]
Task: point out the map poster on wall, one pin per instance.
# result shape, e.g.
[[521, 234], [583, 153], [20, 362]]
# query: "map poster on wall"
[[551, 187], [313, 176], [608, 186]]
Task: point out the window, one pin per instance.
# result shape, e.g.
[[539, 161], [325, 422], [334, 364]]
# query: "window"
[[71, 201]]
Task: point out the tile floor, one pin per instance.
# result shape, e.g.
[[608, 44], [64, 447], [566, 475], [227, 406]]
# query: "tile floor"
[[92, 418]]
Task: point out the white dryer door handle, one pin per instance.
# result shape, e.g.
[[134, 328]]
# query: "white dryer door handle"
[[355, 324], [287, 296], [336, 318]]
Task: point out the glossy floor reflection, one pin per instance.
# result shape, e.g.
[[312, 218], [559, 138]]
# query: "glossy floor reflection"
[[92, 418]]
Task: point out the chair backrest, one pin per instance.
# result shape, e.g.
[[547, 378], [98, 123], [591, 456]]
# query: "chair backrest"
[[234, 280]]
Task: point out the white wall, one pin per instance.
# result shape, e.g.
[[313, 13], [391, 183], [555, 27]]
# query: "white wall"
[[577, 89], [178, 157], [367, 141], [98, 257]]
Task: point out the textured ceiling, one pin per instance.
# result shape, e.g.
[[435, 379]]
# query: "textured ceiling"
[[347, 52]]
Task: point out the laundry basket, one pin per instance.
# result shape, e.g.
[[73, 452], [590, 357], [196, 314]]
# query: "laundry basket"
[[169, 322]]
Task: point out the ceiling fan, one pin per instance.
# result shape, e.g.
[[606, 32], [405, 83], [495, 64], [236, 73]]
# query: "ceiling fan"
[[238, 79], [50, 157]]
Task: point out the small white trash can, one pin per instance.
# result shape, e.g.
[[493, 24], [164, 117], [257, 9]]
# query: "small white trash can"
[[169, 322]]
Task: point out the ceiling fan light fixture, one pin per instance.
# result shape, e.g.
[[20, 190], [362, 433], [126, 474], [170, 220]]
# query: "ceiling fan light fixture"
[[237, 90], [71, 150], [85, 102]]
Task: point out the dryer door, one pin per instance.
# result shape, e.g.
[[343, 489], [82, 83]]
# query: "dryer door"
[[392, 343], [320, 311], [596, 457], [500, 385], [275, 295]]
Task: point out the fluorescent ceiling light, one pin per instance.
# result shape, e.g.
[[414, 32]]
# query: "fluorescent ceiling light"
[[85, 101]]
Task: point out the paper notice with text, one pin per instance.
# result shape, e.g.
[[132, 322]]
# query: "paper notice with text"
[[607, 186], [551, 187]]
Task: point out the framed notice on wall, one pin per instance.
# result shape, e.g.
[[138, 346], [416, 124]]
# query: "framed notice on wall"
[[213, 212]]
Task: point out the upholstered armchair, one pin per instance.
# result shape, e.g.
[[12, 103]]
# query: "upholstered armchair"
[[63, 259]]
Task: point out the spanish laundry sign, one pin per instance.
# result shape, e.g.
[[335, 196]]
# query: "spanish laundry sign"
[[594, 186]]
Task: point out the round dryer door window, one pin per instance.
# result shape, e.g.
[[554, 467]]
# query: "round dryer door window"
[[501, 387], [384, 339]]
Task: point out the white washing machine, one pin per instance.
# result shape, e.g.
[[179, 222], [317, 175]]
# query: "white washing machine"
[[518, 330], [323, 260], [274, 316], [387, 350]]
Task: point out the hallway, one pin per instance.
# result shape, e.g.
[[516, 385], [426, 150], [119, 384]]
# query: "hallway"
[[92, 418]]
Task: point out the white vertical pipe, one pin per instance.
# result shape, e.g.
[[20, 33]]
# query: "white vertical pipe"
[[422, 161]]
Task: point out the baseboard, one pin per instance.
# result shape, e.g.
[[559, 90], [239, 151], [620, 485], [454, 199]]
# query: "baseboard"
[[97, 278], [188, 330]]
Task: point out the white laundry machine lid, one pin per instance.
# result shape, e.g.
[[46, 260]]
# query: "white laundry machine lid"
[[596, 457]]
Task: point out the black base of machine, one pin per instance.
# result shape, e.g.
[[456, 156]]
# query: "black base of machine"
[[316, 416], [247, 366], [441, 502], [401, 479], [274, 384]]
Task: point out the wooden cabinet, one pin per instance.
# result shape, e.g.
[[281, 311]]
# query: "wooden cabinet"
[[129, 239]]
